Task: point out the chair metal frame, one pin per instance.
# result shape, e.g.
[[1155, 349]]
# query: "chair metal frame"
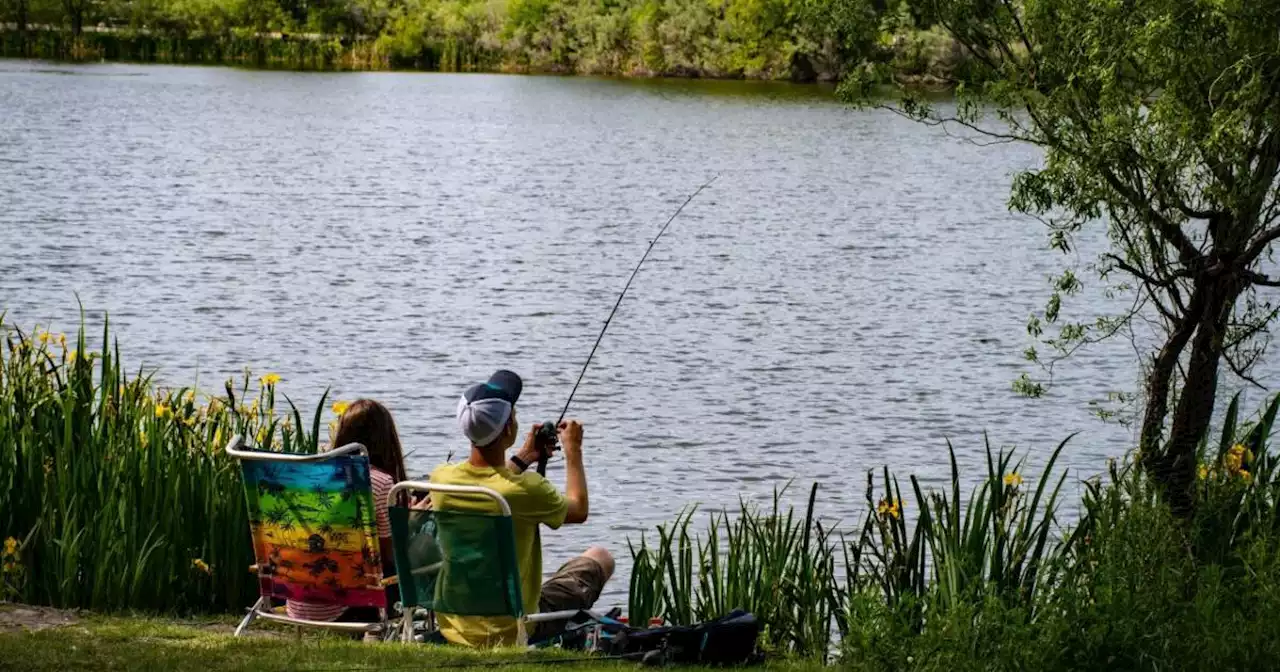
[[409, 486], [262, 607]]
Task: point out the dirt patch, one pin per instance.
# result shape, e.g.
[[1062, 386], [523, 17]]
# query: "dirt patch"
[[22, 617]]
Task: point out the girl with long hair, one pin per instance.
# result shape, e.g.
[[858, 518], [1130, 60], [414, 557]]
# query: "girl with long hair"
[[368, 423]]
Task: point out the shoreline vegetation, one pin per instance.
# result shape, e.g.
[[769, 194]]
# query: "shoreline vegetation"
[[779, 40], [116, 496]]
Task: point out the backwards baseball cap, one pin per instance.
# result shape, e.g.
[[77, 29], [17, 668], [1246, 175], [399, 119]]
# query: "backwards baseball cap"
[[484, 409]]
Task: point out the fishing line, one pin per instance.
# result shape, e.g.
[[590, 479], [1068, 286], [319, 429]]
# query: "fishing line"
[[618, 303], [547, 431]]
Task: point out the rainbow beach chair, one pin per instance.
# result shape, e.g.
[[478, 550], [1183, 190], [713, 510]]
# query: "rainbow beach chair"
[[315, 534]]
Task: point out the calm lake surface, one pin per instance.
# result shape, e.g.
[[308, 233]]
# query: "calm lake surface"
[[852, 291]]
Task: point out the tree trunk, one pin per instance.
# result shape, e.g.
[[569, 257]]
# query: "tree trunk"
[[21, 17], [75, 12], [1174, 466], [1159, 385], [1194, 412]]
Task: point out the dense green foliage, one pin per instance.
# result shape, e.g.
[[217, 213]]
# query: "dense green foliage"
[[114, 493], [994, 580], [797, 39]]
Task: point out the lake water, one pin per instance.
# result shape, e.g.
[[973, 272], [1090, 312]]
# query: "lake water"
[[850, 293]]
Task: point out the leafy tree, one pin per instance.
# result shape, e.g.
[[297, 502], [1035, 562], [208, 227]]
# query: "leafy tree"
[[1159, 119]]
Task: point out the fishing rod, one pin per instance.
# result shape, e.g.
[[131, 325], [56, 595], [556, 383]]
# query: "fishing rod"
[[546, 436]]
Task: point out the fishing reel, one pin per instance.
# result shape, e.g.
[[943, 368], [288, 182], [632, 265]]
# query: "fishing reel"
[[547, 440]]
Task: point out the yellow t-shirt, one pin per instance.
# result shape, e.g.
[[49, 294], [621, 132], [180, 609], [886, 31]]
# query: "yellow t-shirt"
[[533, 501]]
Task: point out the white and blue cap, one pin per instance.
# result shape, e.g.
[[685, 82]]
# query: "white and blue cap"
[[485, 409]]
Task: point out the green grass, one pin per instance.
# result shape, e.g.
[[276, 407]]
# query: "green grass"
[[124, 643]]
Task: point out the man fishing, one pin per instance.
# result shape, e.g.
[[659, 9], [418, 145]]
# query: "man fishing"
[[487, 416]]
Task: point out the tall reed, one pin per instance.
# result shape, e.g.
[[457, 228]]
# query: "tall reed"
[[1002, 542], [771, 562], [115, 492], [999, 540]]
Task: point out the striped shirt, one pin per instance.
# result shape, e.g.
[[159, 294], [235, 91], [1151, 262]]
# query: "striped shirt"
[[311, 611]]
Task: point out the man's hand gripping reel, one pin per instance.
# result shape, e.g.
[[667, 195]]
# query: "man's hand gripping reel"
[[547, 440]]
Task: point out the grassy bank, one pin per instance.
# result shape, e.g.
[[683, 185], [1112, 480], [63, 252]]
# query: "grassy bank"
[[141, 643], [133, 643]]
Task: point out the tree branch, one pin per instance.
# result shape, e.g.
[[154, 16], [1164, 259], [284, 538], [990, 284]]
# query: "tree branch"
[[943, 121], [1143, 275], [1242, 370], [1259, 245], [1187, 251], [1260, 279], [1022, 34]]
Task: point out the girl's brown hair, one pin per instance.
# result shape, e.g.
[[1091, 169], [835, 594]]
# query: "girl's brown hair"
[[369, 423]]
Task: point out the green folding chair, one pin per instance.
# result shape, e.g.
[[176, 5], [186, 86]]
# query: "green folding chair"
[[457, 562], [315, 535]]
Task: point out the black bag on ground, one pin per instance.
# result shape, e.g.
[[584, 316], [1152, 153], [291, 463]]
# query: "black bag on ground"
[[728, 640]]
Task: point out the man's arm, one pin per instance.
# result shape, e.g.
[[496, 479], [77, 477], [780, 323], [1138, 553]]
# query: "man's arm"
[[528, 454], [575, 475]]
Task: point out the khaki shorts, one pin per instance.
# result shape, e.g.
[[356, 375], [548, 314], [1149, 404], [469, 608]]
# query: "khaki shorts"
[[576, 585]]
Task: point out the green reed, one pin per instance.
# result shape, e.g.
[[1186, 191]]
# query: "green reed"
[[771, 562], [783, 567], [115, 492], [1002, 541], [1238, 485]]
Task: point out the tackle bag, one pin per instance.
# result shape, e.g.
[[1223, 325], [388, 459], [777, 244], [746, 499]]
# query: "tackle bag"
[[728, 640]]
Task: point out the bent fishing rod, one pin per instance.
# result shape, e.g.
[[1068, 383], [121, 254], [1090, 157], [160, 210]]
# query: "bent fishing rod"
[[547, 440]]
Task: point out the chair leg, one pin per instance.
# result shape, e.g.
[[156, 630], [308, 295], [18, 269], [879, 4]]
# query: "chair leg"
[[385, 631], [406, 626], [248, 618]]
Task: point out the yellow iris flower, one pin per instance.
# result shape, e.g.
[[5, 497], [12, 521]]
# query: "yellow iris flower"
[[1237, 458], [270, 379], [1014, 479], [340, 407], [891, 509]]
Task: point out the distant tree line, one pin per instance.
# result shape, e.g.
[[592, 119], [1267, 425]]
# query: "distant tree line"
[[803, 40]]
